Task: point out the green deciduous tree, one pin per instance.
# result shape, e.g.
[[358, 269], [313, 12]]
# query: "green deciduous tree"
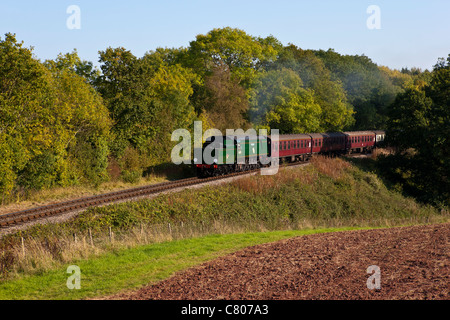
[[279, 101], [336, 111], [225, 101], [243, 54], [45, 111], [148, 98], [419, 127], [368, 89]]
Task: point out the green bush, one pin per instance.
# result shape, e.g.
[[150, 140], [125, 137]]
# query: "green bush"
[[131, 176]]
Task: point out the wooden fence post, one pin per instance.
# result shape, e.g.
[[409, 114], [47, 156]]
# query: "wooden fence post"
[[111, 235], [90, 237], [23, 247]]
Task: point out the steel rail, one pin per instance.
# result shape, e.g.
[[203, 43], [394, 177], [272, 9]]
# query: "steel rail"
[[28, 215]]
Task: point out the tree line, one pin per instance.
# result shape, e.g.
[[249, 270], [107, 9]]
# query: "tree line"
[[65, 122]]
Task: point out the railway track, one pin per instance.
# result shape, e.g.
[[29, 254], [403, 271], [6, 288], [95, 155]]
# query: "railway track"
[[33, 214], [25, 216]]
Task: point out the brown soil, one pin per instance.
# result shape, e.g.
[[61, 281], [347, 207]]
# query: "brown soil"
[[413, 262]]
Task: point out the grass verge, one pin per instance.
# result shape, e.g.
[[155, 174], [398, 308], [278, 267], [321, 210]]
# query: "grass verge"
[[331, 193], [129, 269]]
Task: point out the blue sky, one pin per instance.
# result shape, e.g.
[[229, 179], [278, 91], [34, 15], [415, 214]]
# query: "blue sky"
[[412, 34]]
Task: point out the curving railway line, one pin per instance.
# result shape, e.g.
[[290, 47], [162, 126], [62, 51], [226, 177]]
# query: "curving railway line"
[[20, 217], [24, 216]]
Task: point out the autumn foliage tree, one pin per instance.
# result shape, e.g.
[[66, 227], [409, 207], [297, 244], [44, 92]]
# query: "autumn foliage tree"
[[65, 121], [46, 113]]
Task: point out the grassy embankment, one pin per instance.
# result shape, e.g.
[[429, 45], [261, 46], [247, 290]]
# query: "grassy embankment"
[[23, 199], [164, 232]]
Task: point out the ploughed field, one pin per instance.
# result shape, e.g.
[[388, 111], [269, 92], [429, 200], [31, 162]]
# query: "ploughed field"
[[413, 263]]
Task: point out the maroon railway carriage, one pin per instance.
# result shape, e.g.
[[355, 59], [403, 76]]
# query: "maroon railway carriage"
[[316, 141], [292, 147], [360, 141], [333, 143]]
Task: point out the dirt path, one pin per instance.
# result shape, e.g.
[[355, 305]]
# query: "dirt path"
[[413, 264]]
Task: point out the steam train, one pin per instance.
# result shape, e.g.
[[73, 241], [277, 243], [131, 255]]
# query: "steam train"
[[226, 154]]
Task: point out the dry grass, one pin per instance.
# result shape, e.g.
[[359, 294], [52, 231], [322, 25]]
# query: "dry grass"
[[48, 251], [381, 151], [331, 167], [37, 255], [21, 201], [259, 184]]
